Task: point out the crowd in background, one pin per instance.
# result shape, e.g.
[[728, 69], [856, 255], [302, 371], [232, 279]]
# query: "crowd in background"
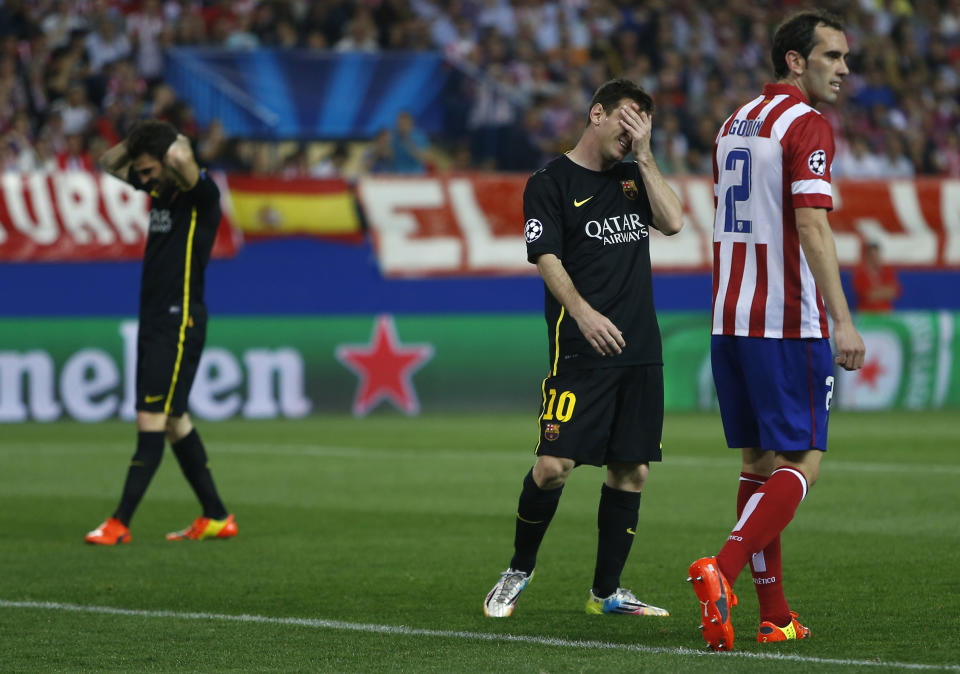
[[76, 74]]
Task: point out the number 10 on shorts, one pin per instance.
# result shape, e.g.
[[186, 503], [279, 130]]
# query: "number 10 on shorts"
[[564, 404]]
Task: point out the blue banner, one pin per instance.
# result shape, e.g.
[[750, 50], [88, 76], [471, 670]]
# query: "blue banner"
[[305, 94]]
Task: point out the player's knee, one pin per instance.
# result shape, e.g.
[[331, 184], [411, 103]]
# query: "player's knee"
[[178, 428], [628, 476], [550, 472], [758, 461], [151, 421], [807, 463]]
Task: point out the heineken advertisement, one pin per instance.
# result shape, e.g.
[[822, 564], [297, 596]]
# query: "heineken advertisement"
[[269, 367]]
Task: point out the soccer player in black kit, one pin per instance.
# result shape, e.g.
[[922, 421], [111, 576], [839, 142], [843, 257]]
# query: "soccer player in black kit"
[[184, 216], [588, 218]]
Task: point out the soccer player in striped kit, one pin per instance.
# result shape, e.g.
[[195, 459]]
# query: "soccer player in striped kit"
[[775, 276]]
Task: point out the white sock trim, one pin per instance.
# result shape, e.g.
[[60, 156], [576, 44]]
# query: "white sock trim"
[[803, 480], [747, 479]]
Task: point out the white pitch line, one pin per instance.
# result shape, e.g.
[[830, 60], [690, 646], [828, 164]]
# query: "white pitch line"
[[403, 630], [377, 453]]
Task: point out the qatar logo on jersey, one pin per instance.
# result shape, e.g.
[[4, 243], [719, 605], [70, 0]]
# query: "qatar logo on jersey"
[[160, 221], [532, 230], [818, 162], [629, 189]]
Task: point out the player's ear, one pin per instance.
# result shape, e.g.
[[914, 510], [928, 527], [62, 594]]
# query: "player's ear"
[[596, 114], [795, 62]]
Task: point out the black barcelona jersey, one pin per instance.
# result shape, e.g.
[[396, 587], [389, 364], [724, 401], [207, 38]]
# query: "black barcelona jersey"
[[183, 226], [598, 224]]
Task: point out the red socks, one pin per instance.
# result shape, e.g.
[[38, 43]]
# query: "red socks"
[[764, 509]]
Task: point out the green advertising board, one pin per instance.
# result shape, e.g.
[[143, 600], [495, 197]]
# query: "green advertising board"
[[269, 367]]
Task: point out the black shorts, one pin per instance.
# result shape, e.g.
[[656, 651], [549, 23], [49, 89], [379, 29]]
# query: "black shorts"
[[168, 353], [603, 415]]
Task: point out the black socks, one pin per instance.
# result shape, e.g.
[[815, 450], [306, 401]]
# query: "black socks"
[[144, 464], [617, 519], [534, 512], [192, 458]]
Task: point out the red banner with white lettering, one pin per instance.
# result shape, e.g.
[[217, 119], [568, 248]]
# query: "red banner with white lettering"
[[472, 224], [80, 216]]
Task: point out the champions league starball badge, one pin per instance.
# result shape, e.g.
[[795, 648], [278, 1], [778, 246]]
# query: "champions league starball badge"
[[532, 230], [818, 162]]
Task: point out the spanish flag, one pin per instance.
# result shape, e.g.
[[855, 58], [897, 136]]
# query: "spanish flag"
[[267, 207]]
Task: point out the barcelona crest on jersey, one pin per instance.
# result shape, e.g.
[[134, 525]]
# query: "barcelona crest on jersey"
[[552, 431], [629, 188]]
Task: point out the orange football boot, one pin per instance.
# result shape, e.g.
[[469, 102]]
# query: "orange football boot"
[[111, 532], [769, 632], [716, 599], [204, 528]]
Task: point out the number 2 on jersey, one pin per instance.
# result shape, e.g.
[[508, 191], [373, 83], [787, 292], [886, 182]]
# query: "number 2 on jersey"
[[564, 404], [738, 160]]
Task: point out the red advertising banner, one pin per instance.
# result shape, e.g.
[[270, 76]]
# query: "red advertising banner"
[[78, 216], [472, 224]]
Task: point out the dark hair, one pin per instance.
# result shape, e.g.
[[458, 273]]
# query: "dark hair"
[[151, 137], [612, 92], [796, 33]]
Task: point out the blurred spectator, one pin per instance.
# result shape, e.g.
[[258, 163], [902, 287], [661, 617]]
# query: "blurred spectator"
[[212, 145], [17, 143], [361, 34], [295, 165], [60, 23], [76, 111], [378, 157], [874, 283], [895, 163], [409, 145], [334, 165], [13, 92], [948, 156], [67, 64], [857, 160], [235, 32], [149, 35], [527, 148], [106, 44], [125, 87], [74, 156], [40, 157], [112, 124], [670, 145]]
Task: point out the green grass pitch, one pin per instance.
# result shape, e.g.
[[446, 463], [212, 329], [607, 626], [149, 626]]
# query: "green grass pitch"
[[369, 545]]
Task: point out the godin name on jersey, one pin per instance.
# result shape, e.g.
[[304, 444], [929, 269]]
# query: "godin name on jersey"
[[624, 228], [745, 127]]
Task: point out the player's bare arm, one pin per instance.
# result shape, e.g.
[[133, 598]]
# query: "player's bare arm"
[[664, 202], [116, 161], [816, 239], [599, 331], [181, 165]]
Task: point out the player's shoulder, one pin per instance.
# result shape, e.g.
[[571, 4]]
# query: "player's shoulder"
[[206, 187], [801, 119], [553, 168], [547, 177]]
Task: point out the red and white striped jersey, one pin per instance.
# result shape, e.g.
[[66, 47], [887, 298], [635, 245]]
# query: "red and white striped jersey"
[[771, 156]]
